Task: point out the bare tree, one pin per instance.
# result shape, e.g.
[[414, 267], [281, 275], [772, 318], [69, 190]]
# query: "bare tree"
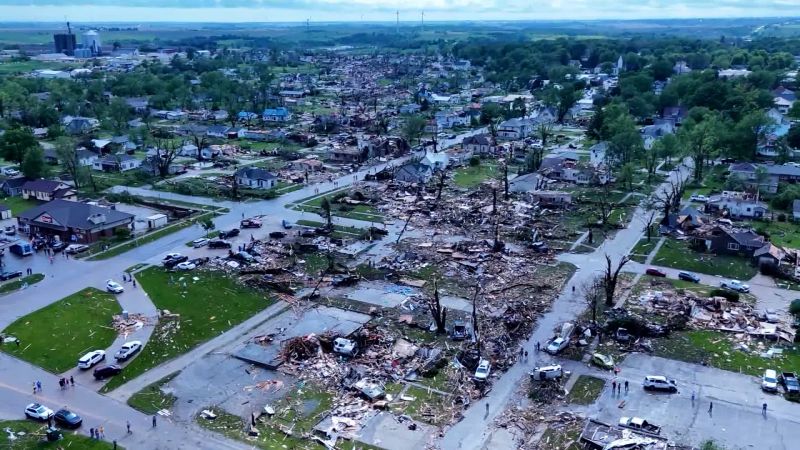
[[611, 277], [405, 225], [438, 312], [669, 197], [200, 140], [604, 206], [68, 156], [544, 131], [326, 208], [506, 194], [648, 217], [166, 152], [475, 333], [593, 292], [440, 186]]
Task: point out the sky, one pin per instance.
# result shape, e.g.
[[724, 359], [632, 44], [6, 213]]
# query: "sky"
[[383, 10]]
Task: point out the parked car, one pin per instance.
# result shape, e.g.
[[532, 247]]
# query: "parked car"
[[250, 223], [171, 256], [74, 249], [483, 370], [659, 383], [106, 371], [127, 350], [639, 424], [186, 265], [114, 287], [9, 275], [604, 361], [655, 272], [67, 418], [218, 243], [688, 276], [790, 383], [556, 345], [170, 263], [58, 246], [228, 234], [10, 230], [197, 243], [769, 381], [277, 234], [546, 373], [734, 285], [698, 198], [38, 412], [90, 359]]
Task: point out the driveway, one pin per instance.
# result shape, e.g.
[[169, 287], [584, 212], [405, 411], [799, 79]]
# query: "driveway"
[[736, 420]]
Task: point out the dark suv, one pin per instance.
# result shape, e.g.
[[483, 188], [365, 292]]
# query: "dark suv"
[[107, 371], [172, 262], [219, 243], [229, 234]]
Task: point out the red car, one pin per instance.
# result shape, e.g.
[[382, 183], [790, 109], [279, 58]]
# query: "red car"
[[655, 272]]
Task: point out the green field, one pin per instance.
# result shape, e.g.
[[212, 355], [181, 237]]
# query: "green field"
[[209, 303], [363, 212], [33, 433], [472, 176], [586, 390], [55, 336], [10, 286], [18, 204], [150, 400]]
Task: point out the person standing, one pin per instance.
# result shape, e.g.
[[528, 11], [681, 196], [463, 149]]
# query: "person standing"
[[91, 431], [764, 409], [72, 381], [626, 386], [613, 387], [526, 356], [101, 432], [128, 425], [38, 385], [154, 420], [710, 407]]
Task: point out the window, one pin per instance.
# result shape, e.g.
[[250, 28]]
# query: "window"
[[733, 246]]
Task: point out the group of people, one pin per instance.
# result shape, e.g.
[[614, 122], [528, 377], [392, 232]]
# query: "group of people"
[[65, 383]]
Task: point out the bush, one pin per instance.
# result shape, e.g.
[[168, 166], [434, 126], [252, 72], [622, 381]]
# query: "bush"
[[122, 233], [781, 217], [729, 295], [474, 161]]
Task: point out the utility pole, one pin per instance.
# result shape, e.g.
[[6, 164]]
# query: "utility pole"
[[397, 26], [422, 22]]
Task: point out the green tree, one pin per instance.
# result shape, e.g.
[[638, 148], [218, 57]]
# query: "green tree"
[[700, 140], [793, 138], [68, 158], [413, 128], [119, 113], [16, 143], [208, 226], [667, 147], [626, 175], [326, 208], [33, 165]]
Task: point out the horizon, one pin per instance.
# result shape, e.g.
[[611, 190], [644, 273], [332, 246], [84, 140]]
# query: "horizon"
[[385, 11]]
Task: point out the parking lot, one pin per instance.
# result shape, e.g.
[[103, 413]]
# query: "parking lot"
[[735, 422]]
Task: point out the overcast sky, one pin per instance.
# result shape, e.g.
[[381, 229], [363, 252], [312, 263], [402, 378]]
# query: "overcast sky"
[[382, 10]]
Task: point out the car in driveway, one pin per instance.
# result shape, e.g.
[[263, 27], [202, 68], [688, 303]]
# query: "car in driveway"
[[106, 371], [127, 350], [88, 360], [556, 345], [114, 287], [197, 243], [659, 383], [688, 276], [37, 411], [734, 285], [769, 381], [58, 246], [483, 370], [218, 243], [9, 275], [652, 271], [186, 265], [67, 419], [698, 198], [74, 249]]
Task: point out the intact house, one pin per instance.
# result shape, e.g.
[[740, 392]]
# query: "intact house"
[[413, 172], [79, 125], [516, 128], [728, 241], [736, 207], [256, 178], [74, 221], [479, 144], [775, 174], [117, 163], [280, 114], [436, 161], [12, 187], [46, 190]]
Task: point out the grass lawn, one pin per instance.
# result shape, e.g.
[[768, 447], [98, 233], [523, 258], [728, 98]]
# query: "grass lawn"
[[427, 406], [643, 248], [782, 234], [339, 231], [716, 349], [34, 432], [586, 390], [366, 213], [18, 204], [566, 438], [678, 255], [299, 411], [209, 303], [150, 399], [471, 176], [55, 336], [11, 286]]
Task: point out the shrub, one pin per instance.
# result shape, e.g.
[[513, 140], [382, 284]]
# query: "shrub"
[[729, 295], [122, 233], [781, 217], [474, 161]]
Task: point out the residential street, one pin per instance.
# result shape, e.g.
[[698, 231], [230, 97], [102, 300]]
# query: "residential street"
[[472, 431]]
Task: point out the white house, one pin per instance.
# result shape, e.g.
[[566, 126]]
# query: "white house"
[[436, 161], [256, 178], [516, 128], [479, 144], [116, 163]]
